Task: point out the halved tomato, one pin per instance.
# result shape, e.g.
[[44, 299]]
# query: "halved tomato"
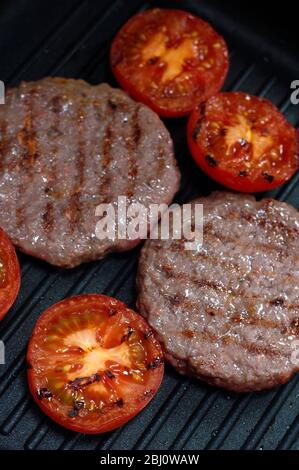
[[243, 142], [169, 59], [10, 278], [93, 363]]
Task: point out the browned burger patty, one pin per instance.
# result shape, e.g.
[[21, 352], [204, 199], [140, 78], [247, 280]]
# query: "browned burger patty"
[[229, 312], [67, 146]]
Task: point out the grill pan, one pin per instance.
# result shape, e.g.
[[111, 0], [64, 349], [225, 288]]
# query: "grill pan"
[[72, 39]]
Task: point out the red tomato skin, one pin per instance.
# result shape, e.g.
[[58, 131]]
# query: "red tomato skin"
[[10, 290], [222, 176], [138, 96], [131, 89], [67, 422], [115, 424]]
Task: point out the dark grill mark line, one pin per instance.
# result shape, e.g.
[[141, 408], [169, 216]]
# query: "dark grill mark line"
[[132, 144], [170, 271], [48, 215], [28, 140], [293, 327], [178, 247], [161, 160], [253, 348], [264, 221], [230, 265], [106, 159], [3, 144], [75, 206], [256, 321]]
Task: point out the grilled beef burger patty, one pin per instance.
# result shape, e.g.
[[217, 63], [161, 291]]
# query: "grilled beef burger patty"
[[66, 147], [229, 312]]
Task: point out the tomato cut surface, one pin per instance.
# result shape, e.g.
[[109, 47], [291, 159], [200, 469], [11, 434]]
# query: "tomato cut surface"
[[169, 60], [9, 274], [93, 363], [243, 142]]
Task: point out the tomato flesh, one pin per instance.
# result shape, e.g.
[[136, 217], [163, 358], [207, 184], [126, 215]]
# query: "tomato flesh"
[[93, 363], [243, 142], [169, 60], [10, 278]]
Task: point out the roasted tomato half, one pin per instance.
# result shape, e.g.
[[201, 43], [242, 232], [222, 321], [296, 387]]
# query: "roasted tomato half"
[[169, 60], [243, 142], [93, 363], [9, 274]]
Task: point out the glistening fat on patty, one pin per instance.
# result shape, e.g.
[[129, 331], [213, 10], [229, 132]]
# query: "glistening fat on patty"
[[67, 146], [229, 312]]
